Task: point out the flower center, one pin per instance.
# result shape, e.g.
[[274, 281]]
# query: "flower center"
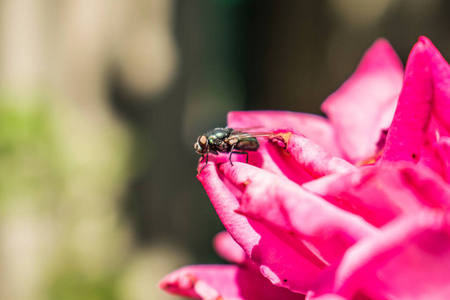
[[380, 147]]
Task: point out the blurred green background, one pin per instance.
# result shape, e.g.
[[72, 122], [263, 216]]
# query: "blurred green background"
[[101, 102]]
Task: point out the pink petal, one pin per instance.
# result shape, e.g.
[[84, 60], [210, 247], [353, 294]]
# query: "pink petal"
[[324, 297], [315, 128], [292, 156], [443, 151], [313, 158], [407, 136], [441, 79], [278, 260], [421, 118], [428, 187], [223, 282], [381, 193], [277, 161], [228, 249], [268, 157], [364, 105], [288, 210], [409, 259]]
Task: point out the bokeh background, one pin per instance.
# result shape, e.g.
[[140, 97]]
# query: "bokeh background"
[[102, 100]]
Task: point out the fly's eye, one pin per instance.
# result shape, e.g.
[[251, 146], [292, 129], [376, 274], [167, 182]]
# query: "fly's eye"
[[202, 142]]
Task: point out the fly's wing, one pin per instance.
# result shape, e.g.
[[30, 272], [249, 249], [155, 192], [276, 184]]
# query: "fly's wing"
[[242, 133], [242, 139]]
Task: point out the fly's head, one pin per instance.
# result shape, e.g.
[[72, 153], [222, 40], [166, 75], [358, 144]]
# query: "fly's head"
[[201, 146]]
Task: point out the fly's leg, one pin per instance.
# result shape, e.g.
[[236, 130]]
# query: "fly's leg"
[[206, 162], [240, 152], [237, 152]]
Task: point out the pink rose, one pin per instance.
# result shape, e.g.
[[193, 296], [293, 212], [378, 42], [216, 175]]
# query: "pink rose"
[[349, 207]]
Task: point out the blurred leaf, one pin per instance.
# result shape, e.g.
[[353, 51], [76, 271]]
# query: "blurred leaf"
[[28, 155], [74, 285]]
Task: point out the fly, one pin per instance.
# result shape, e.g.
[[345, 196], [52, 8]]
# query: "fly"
[[227, 140]]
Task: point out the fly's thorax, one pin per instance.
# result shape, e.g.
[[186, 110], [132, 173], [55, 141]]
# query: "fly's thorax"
[[217, 139], [218, 134]]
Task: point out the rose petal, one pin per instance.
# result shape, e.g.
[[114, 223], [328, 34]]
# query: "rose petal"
[[315, 128], [278, 260], [268, 157], [325, 297], [277, 161], [223, 282], [428, 187], [441, 79], [364, 105], [280, 203], [313, 158], [410, 259], [443, 151], [306, 162], [381, 193], [421, 118], [228, 249], [407, 136]]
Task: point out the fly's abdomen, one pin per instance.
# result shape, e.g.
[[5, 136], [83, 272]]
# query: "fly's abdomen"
[[247, 144]]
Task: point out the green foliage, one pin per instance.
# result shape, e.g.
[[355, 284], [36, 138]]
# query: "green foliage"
[[61, 176], [28, 156], [74, 285]]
